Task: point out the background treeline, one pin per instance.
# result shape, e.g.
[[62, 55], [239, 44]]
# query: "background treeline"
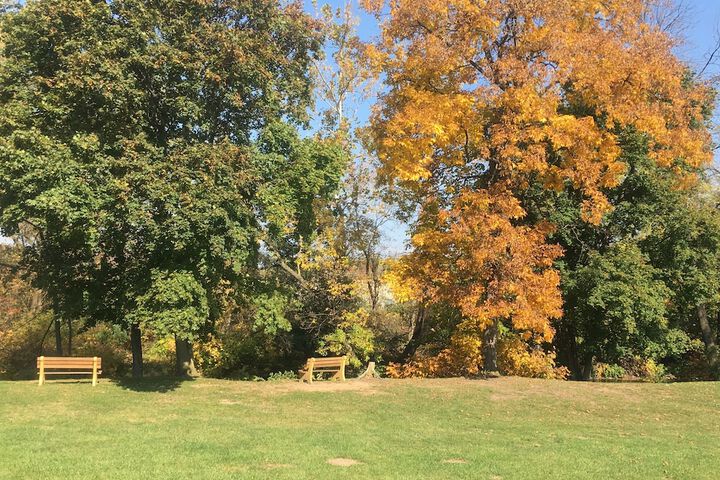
[[171, 213]]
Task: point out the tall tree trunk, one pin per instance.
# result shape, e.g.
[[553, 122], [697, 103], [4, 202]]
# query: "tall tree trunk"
[[415, 334], [708, 335], [565, 343], [137, 353], [184, 365], [70, 337], [58, 338], [489, 350], [372, 265], [586, 368]]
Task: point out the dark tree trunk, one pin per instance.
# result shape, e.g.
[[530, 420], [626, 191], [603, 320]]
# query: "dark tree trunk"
[[415, 334], [489, 350], [372, 266], [586, 369], [70, 337], [137, 353], [708, 335], [58, 338], [184, 365], [567, 350]]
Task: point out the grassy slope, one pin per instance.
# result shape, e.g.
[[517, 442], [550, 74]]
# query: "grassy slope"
[[506, 428]]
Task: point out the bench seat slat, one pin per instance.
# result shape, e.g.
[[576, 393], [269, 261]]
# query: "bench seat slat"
[[59, 360], [68, 363], [70, 358], [69, 368], [72, 373]]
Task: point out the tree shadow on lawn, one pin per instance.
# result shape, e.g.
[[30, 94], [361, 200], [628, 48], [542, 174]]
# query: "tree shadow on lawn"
[[162, 384]]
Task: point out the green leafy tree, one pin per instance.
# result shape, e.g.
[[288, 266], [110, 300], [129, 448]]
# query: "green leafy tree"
[[129, 142], [620, 308], [686, 246], [632, 284]]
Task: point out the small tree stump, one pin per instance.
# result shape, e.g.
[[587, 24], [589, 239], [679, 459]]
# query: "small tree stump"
[[369, 372]]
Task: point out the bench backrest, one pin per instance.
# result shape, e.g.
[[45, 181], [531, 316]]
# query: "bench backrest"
[[69, 362], [327, 361]]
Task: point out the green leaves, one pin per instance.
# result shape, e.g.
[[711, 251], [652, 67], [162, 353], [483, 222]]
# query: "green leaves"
[[129, 140], [269, 316], [631, 285], [297, 172], [623, 307], [174, 304]]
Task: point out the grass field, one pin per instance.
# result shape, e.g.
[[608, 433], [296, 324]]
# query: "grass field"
[[506, 428]]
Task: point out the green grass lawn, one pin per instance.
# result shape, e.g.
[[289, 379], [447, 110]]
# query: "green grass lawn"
[[506, 428]]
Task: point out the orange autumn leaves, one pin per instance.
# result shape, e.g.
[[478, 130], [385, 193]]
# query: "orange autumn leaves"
[[532, 86], [474, 257], [484, 97]]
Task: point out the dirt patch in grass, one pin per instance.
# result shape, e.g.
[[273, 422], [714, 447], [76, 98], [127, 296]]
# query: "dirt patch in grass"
[[343, 462], [363, 387], [455, 460]]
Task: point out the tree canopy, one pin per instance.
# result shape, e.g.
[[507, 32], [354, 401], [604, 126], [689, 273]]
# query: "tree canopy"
[[484, 100], [153, 147]]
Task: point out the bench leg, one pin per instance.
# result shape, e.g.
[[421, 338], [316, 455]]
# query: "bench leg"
[[94, 377], [308, 375], [41, 374]]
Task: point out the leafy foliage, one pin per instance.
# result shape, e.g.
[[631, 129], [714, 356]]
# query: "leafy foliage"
[[487, 101], [153, 147], [175, 304], [623, 307]]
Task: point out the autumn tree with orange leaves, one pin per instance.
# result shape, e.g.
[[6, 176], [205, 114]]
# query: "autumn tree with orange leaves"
[[484, 98]]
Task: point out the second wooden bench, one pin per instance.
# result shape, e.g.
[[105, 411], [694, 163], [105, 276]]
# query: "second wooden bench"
[[334, 365]]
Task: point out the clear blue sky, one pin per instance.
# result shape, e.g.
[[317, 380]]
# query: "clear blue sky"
[[702, 29]]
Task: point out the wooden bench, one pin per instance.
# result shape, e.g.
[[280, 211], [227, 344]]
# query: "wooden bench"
[[334, 365], [69, 366]]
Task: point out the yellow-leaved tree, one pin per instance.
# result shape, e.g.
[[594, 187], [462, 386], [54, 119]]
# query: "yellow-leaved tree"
[[487, 97]]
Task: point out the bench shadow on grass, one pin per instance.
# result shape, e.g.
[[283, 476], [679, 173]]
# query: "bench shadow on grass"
[[162, 384]]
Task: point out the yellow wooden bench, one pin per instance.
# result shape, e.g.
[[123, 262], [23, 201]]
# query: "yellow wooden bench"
[[69, 366], [334, 365]]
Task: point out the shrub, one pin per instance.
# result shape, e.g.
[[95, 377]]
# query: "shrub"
[[21, 344], [464, 358], [111, 343], [656, 372], [158, 355], [352, 337], [605, 371], [516, 357], [287, 375]]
